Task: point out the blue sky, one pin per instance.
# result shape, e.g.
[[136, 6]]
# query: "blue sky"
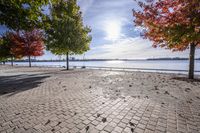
[[114, 34]]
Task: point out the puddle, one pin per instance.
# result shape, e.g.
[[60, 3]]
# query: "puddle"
[[110, 73]]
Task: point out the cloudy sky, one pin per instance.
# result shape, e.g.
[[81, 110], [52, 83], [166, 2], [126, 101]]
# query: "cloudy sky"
[[114, 34]]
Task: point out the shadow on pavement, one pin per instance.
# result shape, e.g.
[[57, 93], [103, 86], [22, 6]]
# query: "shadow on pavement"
[[186, 79], [18, 83]]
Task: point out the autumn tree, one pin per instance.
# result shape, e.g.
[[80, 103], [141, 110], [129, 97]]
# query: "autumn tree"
[[171, 24], [27, 44], [67, 34]]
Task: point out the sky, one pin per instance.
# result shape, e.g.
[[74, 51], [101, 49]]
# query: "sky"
[[114, 35]]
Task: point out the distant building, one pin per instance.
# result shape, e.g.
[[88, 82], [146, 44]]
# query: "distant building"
[[73, 58], [31, 60]]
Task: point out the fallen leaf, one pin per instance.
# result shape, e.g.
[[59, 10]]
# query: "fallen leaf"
[[98, 115], [131, 123], [59, 123], [166, 92], [104, 120], [87, 128], [47, 122], [132, 130]]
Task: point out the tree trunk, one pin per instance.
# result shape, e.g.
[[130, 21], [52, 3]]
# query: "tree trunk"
[[191, 65], [67, 61], [11, 61], [29, 60]]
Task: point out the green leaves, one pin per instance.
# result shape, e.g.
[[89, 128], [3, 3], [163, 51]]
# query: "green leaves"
[[23, 14], [5, 47], [67, 33]]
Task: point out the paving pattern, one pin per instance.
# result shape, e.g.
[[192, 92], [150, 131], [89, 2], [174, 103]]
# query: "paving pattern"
[[38, 100]]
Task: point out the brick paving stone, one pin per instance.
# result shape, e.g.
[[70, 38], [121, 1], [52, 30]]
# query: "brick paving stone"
[[108, 128], [50, 100], [113, 124], [91, 118], [93, 130], [103, 132], [114, 132], [148, 131], [118, 129], [64, 130], [161, 128], [143, 122], [116, 120], [139, 130], [95, 122], [126, 121], [122, 125], [86, 122], [100, 126], [142, 126], [70, 125], [151, 127], [127, 130], [74, 130], [134, 121]]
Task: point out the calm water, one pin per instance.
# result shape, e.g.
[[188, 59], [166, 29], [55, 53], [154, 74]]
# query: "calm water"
[[179, 65]]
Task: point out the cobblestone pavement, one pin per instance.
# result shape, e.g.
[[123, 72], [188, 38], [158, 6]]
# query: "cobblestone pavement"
[[94, 101]]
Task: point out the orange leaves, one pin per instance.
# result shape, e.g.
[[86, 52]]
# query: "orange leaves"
[[165, 9], [27, 43], [169, 22]]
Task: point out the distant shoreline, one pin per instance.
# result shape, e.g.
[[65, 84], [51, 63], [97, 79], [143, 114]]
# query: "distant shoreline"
[[113, 68], [149, 59]]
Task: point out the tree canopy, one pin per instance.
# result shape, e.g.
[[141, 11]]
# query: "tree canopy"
[[21, 44], [173, 24], [5, 47], [27, 43], [67, 33], [22, 14]]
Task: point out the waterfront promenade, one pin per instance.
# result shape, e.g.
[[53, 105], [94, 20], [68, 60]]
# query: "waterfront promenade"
[[96, 101]]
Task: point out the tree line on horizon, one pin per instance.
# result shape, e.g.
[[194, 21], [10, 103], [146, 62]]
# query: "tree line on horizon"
[[31, 29], [93, 59]]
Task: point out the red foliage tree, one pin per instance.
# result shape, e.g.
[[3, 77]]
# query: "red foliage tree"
[[27, 44], [173, 24]]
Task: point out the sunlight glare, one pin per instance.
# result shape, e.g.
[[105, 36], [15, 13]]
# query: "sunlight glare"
[[113, 30]]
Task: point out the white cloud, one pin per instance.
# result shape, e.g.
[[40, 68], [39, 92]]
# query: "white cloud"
[[127, 48], [132, 48]]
